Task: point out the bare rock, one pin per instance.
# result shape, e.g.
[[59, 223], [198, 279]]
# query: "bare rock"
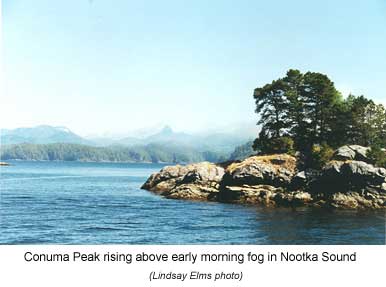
[[273, 180], [275, 170], [203, 172], [355, 200], [193, 192], [249, 194], [302, 179], [352, 152], [344, 176], [166, 179], [294, 198], [186, 181], [264, 194]]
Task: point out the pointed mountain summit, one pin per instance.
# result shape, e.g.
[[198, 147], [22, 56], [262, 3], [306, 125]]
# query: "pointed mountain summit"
[[167, 130], [168, 135]]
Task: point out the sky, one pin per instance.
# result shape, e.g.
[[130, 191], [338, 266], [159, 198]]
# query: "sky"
[[98, 66]]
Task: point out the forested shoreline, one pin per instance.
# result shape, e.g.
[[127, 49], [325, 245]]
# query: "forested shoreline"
[[154, 153]]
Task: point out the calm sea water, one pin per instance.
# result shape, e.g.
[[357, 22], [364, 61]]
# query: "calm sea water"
[[101, 203]]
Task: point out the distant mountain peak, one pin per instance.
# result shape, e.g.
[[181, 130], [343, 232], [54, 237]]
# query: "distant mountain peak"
[[167, 130], [64, 129]]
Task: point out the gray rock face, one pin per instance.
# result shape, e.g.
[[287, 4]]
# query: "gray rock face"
[[275, 181], [263, 179], [293, 198], [264, 194], [352, 152], [166, 179], [352, 184], [355, 200], [203, 172], [302, 179], [194, 181], [193, 192], [249, 194], [275, 170], [351, 176]]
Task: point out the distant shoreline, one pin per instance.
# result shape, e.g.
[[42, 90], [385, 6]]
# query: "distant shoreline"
[[81, 161], [152, 153]]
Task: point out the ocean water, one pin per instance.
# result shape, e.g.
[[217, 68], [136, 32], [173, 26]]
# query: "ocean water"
[[102, 203]]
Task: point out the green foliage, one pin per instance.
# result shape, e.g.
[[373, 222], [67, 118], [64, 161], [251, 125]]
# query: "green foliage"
[[75, 152], [298, 125], [320, 155], [308, 109], [366, 122], [320, 100], [272, 104], [377, 156]]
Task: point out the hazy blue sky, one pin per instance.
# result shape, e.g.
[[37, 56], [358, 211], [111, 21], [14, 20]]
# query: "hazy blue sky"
[[112, 66]]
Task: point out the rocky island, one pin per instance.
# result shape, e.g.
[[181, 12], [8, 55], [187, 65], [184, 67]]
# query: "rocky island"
[[314, 148], [348, 180]]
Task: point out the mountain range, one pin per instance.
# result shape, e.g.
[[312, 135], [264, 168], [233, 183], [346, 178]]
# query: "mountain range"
[[220, 141], [43, 134]]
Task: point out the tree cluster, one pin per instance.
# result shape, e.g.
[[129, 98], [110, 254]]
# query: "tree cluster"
[[301, 111]]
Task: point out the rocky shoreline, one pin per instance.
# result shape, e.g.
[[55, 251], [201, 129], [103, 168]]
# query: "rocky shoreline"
[[348, 181]]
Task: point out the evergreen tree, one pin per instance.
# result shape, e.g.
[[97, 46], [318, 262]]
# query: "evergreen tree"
[[302, 111], [321, 101], [357, 128], [366, 122], [294, 82], [272, 105]]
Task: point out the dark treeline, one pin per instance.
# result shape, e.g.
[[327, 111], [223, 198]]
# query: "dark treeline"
[[74, 152], [242, 151], [305, 112]]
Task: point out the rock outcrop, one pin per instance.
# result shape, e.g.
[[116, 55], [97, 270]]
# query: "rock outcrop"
[[275, 170], [352, 152], [261, 179], [351, 175], [264, 194], [199, 181], [352, 184], [348, 181]]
